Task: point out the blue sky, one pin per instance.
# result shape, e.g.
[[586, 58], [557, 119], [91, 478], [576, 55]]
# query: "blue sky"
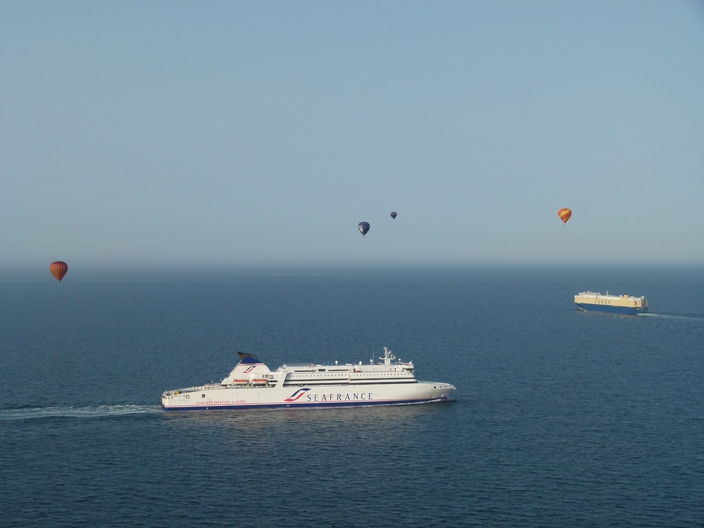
[[252, 133]]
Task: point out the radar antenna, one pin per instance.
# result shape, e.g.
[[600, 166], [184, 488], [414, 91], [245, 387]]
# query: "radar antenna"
[[388, 356]]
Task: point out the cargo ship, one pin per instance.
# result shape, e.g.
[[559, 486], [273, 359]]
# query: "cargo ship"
[[615, 304], [252, 385]]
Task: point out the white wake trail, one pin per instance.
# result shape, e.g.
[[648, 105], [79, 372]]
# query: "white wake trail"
[[77, 412], [693, 317]]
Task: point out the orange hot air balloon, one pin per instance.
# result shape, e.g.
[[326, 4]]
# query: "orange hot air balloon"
[[58, 269], [564, 215]]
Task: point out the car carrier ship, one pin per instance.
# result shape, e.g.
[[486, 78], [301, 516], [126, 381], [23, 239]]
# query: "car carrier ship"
[[617, 304], [252, 385]]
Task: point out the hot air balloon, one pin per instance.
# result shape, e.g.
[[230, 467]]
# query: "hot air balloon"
[[58, 269], [564, 215], [393, 216], [363, 228]]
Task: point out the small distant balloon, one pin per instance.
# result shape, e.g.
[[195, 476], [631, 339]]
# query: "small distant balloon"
[[58, 269], [564, 215], [363, 228], [393, 216]]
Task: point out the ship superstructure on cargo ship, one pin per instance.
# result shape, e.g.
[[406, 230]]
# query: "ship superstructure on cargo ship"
[[252, 385], [618, 304]]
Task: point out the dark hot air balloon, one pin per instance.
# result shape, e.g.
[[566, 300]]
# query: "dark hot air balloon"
[[564, 215], [58, 269], [363, 228], [393, 216]]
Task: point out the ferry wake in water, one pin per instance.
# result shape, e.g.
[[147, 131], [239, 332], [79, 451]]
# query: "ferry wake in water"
[[99, 411], [252, 385]]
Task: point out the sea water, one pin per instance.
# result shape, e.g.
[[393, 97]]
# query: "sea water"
[[562, 418]]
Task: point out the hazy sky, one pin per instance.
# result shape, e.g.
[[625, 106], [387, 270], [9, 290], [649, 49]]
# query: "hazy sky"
[[240, 133]]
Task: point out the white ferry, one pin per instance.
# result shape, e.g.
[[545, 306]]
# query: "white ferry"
[[619, 304], [252, 385]]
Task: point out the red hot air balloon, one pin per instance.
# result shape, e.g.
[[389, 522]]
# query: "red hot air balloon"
[[564, 215], [393, 216], [58, 269]]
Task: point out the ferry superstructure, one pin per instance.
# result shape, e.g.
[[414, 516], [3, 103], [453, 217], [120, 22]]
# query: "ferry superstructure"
[[252, 385], [618, 304]]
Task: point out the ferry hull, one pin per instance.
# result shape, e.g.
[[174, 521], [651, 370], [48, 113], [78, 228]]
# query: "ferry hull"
[[290, 397], [300, 405]]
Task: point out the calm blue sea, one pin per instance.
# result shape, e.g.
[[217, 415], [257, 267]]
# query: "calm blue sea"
[[562, 418]]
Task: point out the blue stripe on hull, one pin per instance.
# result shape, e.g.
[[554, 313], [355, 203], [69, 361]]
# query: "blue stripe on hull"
[[624, 310], [307, 405]]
